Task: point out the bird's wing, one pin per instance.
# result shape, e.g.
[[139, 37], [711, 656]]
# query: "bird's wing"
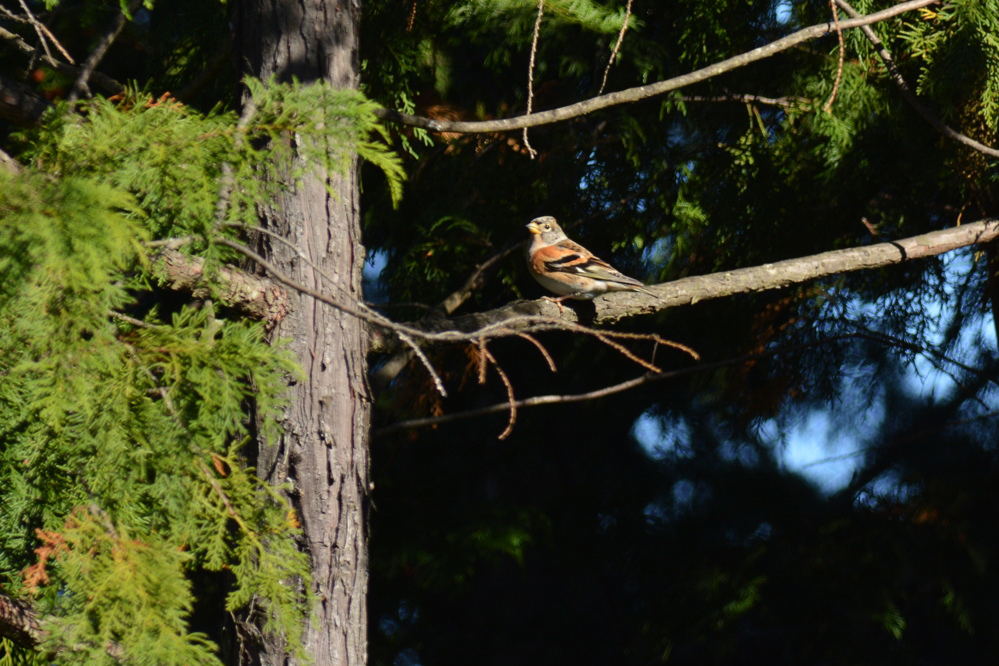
[[570, 257]]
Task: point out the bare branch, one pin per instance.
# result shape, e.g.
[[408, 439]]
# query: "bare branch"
[[624, 351], [644, 92], [103, 44], [783, 102], [425, 361], [909, 95], [19, 623], [44, 34], [532, 315], [258, 297], [650, 377], [37, 26]]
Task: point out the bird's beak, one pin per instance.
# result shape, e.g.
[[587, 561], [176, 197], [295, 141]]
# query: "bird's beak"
[[534, 227]]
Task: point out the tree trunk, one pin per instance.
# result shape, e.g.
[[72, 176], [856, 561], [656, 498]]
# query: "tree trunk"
[[324, 452]]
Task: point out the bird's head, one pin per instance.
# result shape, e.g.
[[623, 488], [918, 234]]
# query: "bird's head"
[[547, 228]]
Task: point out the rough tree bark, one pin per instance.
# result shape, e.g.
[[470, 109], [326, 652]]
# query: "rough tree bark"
[[324, 451]]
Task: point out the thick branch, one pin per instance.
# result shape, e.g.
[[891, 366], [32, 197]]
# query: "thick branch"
[[18, 623], [255, 296], [520, 314], [644, 92], [20, 104]]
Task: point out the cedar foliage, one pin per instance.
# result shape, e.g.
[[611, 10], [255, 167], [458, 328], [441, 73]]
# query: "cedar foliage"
[[122, 418]]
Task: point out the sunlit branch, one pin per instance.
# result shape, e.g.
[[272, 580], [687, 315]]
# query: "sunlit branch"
[[644, 92], [388, 370], [608, 309]]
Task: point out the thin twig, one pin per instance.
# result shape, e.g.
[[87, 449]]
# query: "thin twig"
[[171, 243], [909, 95], [227, 179], [103, 44], [627, 353], [426, 362], [530, 74], [106, 82], [783, 102], [842, 56], [644, 92], [617, 46], [541, 348], [526, 402], [482, 360], [131, 320], [647, 378], [36, 25], [511, 400]]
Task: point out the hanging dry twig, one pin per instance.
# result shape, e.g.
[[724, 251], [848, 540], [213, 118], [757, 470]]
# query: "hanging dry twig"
[[842, 55], [544, 352], [512, 402], [106, 82], [482, 360], [649, 377], [530, 74], [425, 361], [617, 46]]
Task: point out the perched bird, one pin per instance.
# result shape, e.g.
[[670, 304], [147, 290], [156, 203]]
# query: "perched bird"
[[569, 269]]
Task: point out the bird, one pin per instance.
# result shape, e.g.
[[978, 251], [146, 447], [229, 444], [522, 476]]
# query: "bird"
[[570, 270]]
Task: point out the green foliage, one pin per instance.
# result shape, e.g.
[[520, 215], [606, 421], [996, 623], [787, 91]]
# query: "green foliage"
[[140, 421], [122, 597], [122, 418], [332, 125]]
